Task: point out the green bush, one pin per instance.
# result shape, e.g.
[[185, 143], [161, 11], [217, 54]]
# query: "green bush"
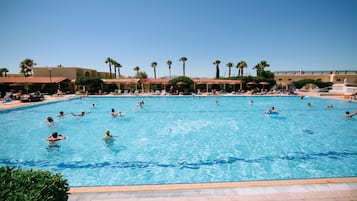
[[301, 83], [18, 184], [183, 79], [93, 84], [183, 84]]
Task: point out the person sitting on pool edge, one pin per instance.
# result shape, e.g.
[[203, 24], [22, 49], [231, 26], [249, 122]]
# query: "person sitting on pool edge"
[[55, 137], [272, 110]]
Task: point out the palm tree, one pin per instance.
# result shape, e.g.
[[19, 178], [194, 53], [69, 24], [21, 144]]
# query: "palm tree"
[[183, 59], [109, 61], [3, 72], [26, 67], [137, 69], [241, 65], [260, 67], [229, 65], [169, 62], [116, 66], [114, 63], [264, 64], [217, 62], [154, 64]]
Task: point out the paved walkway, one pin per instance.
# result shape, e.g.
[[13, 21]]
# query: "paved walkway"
[[324, 190], [19, 104]]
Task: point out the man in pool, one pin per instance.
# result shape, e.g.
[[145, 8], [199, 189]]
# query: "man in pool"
[[141, 103], [55, 137], [272, 110], [61, 114], [348, 115]]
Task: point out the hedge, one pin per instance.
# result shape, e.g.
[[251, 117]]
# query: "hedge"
[[301, 83], [18, 184]]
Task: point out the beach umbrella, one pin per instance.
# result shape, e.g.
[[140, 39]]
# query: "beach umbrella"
[[251, 83]]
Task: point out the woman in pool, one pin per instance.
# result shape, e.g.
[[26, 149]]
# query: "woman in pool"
[[80, 114], [272, 110], [115, 114], [55, 137], [107, 135], [108, 138]]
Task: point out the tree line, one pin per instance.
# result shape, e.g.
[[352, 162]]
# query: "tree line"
[[27, 65]]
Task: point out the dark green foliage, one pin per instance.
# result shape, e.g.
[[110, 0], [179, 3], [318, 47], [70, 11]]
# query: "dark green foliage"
[[268, 74], [141, 74], [183, 84], [182, 79], [301, 83], [18, 184], [93, 83]]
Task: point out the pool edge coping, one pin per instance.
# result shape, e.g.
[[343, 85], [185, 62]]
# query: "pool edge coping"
[[216, 185]]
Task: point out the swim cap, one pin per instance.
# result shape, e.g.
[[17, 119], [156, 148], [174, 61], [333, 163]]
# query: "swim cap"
[[107, 132]]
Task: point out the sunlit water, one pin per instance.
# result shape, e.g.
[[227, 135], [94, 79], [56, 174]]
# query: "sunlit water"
[[184, 140]]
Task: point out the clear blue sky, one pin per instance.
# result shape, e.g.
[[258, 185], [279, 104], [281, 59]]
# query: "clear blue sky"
[[288, 34]]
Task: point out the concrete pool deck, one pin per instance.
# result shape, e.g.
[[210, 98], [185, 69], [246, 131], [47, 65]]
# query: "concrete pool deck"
[[296, 190], [331, 189]]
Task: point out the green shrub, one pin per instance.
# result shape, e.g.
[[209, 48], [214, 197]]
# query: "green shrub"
[[183, 84], [301, 83], [18, 184], [183, 79], [93, 84]]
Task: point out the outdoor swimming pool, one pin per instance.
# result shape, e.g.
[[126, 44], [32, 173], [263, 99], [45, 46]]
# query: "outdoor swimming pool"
[[184, 140]]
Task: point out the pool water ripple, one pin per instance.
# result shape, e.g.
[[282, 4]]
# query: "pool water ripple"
[[179, 164]]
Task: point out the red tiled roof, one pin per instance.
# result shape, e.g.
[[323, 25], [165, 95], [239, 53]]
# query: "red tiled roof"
[[121, 81], [214, 81], [32, 80], [155, 81]]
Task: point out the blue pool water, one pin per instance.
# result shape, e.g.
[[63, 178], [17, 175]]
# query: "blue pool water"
[[184, 140]]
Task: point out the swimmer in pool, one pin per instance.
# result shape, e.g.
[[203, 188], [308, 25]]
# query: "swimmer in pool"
[[55, 137], [49, 120], [61, 114], [272, 110], [107, 135], [80, 114], [349, 115], [115, 114]]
